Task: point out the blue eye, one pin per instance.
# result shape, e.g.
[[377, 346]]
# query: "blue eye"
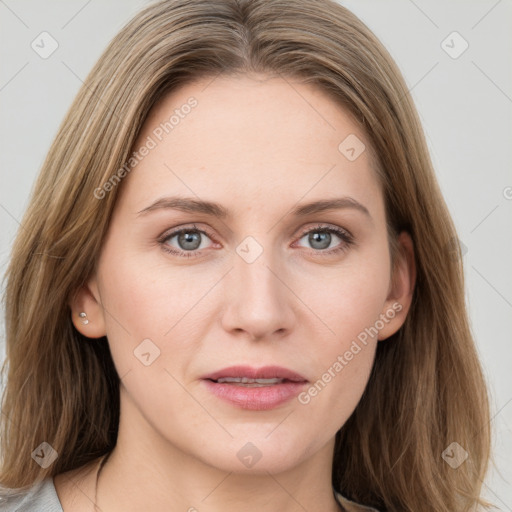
[[320, 238], [189, 240]]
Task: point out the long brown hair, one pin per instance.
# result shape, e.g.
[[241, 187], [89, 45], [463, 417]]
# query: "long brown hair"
[[426, 389]]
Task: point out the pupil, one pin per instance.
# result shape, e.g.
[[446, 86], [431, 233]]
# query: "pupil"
[[323, 238], [189, 240]]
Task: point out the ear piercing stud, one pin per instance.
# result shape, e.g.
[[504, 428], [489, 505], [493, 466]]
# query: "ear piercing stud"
[[83, 318]]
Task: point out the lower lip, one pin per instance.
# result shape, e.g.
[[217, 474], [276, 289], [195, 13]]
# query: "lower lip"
[[256, 398]]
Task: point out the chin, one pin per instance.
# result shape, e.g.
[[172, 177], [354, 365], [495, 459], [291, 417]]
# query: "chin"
[[246, 454]]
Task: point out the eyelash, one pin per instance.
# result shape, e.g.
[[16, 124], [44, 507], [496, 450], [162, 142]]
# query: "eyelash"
[[345, 236]]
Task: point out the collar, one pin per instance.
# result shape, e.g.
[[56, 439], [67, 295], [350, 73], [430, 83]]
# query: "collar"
[[351, 506]]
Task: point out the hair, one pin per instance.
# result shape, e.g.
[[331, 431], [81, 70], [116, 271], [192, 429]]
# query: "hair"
[[426, 389]]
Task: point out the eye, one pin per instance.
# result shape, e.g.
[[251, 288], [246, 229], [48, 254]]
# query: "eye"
[[187, 241], [321, 238]]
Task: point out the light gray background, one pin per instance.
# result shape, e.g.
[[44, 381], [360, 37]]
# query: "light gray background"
[[465, 105]]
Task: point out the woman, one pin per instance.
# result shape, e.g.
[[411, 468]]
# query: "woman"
[[235, 286]]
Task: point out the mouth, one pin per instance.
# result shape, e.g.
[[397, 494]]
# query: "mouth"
[[250, 383], [255, 388], [266, 375]]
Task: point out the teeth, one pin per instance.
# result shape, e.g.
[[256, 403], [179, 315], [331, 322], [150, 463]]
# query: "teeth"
[[245, 380]]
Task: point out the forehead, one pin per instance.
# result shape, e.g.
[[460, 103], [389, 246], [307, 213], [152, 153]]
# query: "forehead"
[[248, 141]]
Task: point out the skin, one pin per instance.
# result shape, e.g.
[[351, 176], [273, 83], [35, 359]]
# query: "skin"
[[258, 147]]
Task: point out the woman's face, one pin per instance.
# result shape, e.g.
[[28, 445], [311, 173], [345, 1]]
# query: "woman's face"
[[276, 280]]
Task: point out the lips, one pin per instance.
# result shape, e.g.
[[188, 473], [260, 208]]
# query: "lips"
[[254, 383], [248, 374], [255, 389]]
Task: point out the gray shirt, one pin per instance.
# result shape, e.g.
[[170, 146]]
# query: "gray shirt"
[[42, 497]]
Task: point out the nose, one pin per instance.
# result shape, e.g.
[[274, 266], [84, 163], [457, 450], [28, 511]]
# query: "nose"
[[258, 300]]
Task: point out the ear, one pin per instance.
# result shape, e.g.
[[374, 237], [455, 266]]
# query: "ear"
[[86, 300], [401, 288]]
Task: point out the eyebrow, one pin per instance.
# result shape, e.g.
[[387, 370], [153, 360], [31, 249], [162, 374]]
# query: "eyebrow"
[[191, 205]]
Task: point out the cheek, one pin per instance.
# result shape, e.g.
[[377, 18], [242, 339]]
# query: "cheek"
[[135, 309], [347, 299], [349, 305], [343, 360], [146, 293], [145, 298]]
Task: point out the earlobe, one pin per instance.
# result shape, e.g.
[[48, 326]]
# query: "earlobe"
[[401, 288], [83, 317], [87, 312]]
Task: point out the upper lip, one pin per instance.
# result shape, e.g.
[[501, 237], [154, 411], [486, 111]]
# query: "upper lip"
[[265, 372]]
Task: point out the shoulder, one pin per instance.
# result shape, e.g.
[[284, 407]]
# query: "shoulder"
[[352, 506], [41, 497]]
